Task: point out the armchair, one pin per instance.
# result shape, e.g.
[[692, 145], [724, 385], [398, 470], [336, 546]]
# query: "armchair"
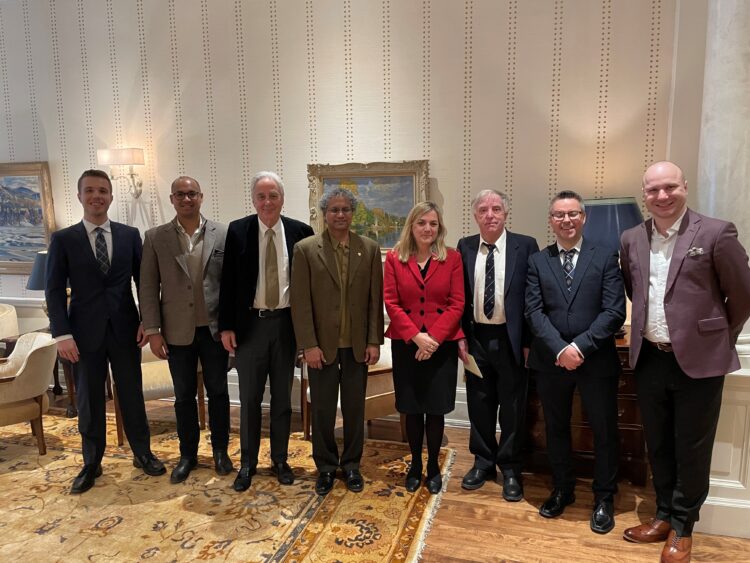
[[8, 320], [25, 376]]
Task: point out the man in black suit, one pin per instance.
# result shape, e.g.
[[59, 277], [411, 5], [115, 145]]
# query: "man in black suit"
[[495, 263], [575, 302], [99, 258], [256, 323]]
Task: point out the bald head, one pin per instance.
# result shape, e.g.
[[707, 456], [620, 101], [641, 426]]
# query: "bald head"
[[664, 193], [663, 167]]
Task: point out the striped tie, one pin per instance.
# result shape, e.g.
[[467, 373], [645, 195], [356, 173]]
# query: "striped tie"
[[102, 256], [568, 267], [489, 281]]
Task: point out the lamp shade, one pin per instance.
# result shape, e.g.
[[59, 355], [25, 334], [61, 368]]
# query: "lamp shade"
[[607, 219], [38, 276], [120, 156]]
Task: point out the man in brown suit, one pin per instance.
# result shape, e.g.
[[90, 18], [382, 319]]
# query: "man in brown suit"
[[179, 298], [337, 312], [689, 280]]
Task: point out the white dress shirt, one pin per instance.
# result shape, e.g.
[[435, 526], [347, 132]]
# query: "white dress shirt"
[[498, 314], [662, 247], [107, 228], [282, 258]]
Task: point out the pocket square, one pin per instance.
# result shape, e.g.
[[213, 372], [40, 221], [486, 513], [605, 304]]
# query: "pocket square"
[[695, 251]]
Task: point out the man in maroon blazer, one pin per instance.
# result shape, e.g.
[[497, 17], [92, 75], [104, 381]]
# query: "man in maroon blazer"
[[689, 280]]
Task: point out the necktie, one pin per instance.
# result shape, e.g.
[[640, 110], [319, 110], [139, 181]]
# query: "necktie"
[[489, 281], [102, 256], [568, 267], [272, 272]]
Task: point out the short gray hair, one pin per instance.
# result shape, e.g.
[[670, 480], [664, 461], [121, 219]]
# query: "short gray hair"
[[337, 192], [568, 194], [484, 193], [266, 174]]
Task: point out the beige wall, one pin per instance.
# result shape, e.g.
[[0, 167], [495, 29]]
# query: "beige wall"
[[526, 96]]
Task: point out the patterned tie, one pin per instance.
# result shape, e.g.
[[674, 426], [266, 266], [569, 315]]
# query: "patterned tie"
[[102, 257], [568, 267], [272, 272], [489, 281]]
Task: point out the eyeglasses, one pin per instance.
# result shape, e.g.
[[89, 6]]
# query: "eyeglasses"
[[560, 215], [189, 195], [337, 210]]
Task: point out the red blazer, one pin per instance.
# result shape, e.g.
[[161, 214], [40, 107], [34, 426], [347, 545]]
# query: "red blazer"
[[437, 302]]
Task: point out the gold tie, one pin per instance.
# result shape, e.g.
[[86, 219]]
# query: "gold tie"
[[272, 272]]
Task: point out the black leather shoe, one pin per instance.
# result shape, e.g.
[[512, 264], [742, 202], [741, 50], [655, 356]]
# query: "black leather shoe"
[[85, 479], [476, 477], [324, 484], [283, 473], [434, 484], [512, 488], [413, 478], [556, 503], [354, 481], [222, 463], [603, 517], [182, 469], [150, 464], [243, 479]]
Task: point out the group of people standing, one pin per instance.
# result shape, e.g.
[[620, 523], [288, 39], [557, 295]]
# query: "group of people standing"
[[266, 288]]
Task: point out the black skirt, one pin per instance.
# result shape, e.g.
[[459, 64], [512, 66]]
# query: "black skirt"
[[426, 387]]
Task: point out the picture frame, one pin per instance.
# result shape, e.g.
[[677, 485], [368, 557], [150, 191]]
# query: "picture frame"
[[27, 216], [385, 191]]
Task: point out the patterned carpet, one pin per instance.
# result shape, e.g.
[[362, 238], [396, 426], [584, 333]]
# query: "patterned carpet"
[[129, 516]]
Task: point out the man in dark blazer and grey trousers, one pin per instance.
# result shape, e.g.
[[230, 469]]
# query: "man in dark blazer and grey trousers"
[[575, 302], [689, 280], [100, 259], [255, 321], [495, 263], [179, 299]]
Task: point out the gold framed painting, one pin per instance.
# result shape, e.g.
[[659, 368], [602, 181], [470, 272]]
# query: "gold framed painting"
[[27, 216], [385, 192]]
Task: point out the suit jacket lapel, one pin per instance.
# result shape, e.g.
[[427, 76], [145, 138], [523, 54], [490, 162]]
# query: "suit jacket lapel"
[[209, 240], [116, 247], [553, 261], [643, 252], [472, 248], [355, 255], [172, 240], [582, 264], [511, 251], [685, 236], [328, 257], [83, 237]]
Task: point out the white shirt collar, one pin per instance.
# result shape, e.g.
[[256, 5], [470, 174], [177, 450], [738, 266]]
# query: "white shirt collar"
[[263, 228], [89, 226], [671, 230], [498, 243], [577, 246]]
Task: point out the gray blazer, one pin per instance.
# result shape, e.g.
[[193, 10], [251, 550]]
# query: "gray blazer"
[[165, 282]]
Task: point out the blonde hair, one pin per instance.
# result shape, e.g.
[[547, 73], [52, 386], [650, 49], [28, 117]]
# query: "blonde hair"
[[407, 246]]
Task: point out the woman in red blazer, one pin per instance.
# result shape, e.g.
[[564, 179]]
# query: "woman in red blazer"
[[423, 289]]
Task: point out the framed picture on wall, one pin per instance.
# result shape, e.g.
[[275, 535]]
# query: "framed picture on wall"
[[27, 215], [385, 192]]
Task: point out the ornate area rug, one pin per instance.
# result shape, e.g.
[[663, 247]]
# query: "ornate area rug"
[[130, 516]]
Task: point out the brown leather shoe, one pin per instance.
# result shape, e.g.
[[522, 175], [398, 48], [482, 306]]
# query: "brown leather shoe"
[[656, 530], [676, 549]]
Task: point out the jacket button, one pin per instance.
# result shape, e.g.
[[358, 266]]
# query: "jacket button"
[[421, 286], [422, 313], [421, 299], [190, 287], [190, 304]]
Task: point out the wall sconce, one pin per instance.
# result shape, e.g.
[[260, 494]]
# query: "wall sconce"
[[124, 157]]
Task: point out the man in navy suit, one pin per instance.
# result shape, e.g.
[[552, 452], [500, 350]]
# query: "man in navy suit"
[[575, 302], [495, 263], [98, 258], [256, 324]]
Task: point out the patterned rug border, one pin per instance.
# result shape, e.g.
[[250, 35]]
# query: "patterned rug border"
[[426, 524]]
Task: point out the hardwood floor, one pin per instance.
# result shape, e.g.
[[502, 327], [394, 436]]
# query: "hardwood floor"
[[479, 526]]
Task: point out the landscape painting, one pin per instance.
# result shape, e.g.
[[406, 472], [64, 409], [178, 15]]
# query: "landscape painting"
[[385, 193], [26, 214]]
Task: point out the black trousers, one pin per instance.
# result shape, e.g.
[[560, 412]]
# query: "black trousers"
[[183, 365], [680, 415], [599, 397], [504, 384], [349, 376], [267, 351], [91, 375]]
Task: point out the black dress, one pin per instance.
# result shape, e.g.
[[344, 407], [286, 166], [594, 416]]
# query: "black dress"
[[429, 386]]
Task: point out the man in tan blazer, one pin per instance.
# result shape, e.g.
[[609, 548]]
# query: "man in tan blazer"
[[337, 312], [179, 298]]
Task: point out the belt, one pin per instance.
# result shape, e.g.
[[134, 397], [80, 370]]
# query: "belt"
[[269, 313], [661, 346]]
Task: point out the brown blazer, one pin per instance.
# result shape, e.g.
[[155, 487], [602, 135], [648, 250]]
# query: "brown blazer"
[[165, 282], [707, 298], [315, 295]]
